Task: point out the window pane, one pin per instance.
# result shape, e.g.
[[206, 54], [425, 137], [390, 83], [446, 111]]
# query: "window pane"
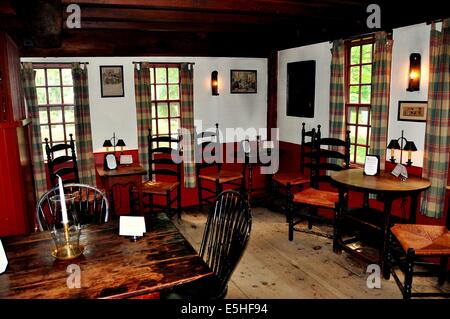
[[351, 115], [363, 115], [164, 144], [352, 130], [43, 116], [354, 94], [154, 131], [362, 135], [367, 53], [352, 153], [68, 95], [67, 76], [174, 125], [162, 110], [153, 110], [45, 132], [366, 74], [161, 92], [173, 75], [54, 95], [174, 109], [163, 127], [360, 154], [161, 76], [354, 75], [152, 75], [70, 129], [174, 92], [41, 95], [59, 153], [56, 115], [69, 114], [365, 94], [53, 77], [355, 55], [57, 133], [153, 93], [40, 77]]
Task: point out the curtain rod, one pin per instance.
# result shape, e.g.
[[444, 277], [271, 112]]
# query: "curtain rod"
[[54, 62], [135, 62], [389, 33]]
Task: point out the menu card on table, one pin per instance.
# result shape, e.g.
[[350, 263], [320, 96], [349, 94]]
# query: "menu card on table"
[[132, 226]]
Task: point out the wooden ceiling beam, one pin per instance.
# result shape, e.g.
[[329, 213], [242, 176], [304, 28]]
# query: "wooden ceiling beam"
[[169, 27], [270, 7]]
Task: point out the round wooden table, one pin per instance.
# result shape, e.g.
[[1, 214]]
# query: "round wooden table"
[[387, 186]]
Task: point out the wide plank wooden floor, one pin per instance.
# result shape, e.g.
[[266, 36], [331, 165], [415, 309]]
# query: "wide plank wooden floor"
[[273, 267]]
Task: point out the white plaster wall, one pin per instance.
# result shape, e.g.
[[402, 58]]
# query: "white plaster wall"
[[290, 126], [118, 115]]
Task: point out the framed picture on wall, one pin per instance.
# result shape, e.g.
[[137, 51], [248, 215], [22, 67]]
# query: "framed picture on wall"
[[243, 81], [111, 78], [412, 111]]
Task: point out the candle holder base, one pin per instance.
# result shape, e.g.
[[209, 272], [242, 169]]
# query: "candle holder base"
[[68, 252]]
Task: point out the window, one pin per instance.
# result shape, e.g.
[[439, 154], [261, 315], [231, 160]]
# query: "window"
[[166, 100], [357, 101], [54, 87]]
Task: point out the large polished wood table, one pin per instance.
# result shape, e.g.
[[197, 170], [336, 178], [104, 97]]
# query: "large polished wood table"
[[112, 266], [388, 187], [123, 175]]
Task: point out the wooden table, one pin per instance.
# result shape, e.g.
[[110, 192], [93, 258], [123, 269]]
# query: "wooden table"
[[124, 175], [388, 187], [112, 266]]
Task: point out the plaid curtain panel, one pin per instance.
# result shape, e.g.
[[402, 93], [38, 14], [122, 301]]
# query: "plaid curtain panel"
[[83, 135], [437, 139], [187, 123], [29, 89], [337, 106], [381, 81], [143, 110]]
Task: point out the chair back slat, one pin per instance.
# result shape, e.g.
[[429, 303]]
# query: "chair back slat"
[[306, 146], [226, 234], [208, 143], [90, 203], [161, 158], [60, 165]]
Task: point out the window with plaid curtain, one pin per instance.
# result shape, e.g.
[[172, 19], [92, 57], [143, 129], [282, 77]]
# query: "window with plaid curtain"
[[437, 139], [85, 154], [29, 89]]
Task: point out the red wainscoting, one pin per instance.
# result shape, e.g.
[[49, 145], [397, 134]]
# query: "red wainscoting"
[[290, 153], [189, 196]]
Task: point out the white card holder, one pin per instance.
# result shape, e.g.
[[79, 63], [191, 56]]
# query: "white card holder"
[[3, 258], [400, 171], [126, 159], [132, 226]]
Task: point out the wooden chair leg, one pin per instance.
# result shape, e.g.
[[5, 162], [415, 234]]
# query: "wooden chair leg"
[[168, 208], [290, 216], [408, 274], [388, 259], [200, 199], [288, 200], [443, 270], [150, 202], [179, 202], [336, 229], [218, 188]]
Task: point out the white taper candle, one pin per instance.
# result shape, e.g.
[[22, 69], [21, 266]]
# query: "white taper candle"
[[65, 218]]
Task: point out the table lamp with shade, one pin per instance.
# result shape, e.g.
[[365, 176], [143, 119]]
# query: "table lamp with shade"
[[409, 146], [108, 160]]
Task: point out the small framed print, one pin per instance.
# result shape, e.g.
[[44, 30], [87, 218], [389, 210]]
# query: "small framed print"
[[243, 81], [372, 165], [111, 78], [110, 161], [412, 111]]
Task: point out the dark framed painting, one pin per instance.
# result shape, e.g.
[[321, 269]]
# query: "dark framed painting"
[[301, 84], [412, 111], [243, 81], [111, 78]]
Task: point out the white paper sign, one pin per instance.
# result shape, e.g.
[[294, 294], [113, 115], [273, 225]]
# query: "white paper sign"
[[126, 159], [371, 165], [132, 226], [3, 259]]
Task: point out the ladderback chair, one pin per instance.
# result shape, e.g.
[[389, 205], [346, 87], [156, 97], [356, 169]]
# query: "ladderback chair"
[[62, 161], [164, 156], [225, 238], [409, 245], [286, 181], [90, 203], [329, 155], [209, 168]]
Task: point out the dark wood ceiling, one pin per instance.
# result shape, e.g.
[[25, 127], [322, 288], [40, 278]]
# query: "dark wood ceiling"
[[241, 28]]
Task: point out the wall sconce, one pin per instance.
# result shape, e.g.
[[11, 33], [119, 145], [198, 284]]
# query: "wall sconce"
[[414, 73], [214, 83], [409, 147]]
